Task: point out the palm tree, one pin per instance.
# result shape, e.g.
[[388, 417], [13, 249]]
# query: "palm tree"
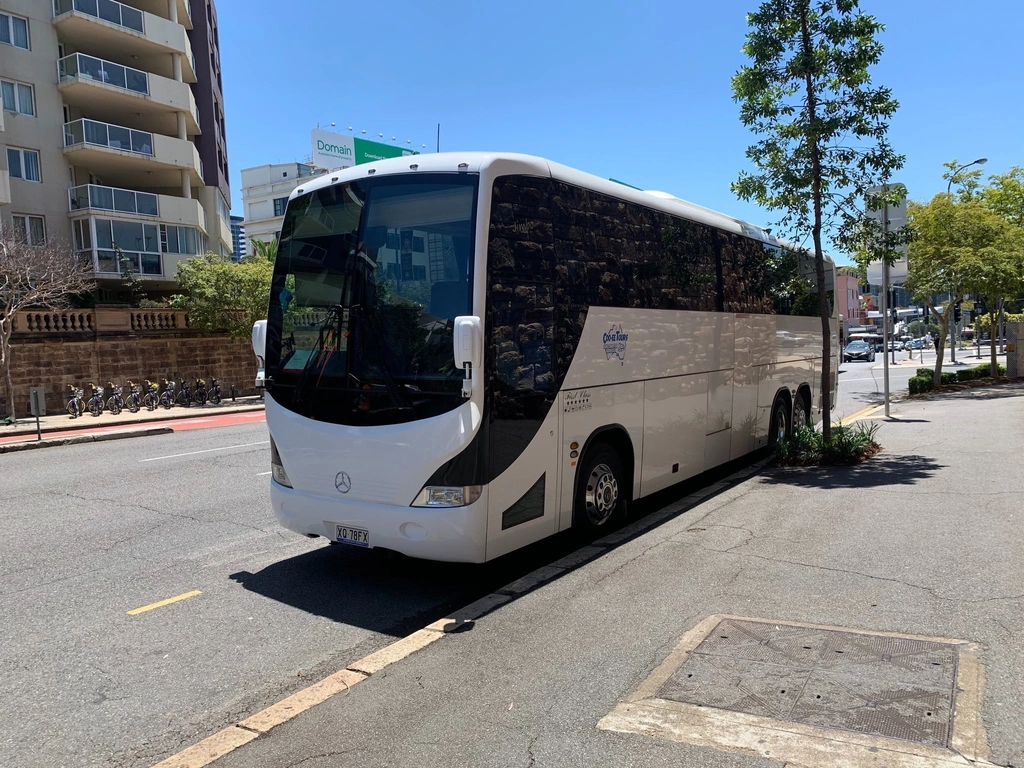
[[263, 249]]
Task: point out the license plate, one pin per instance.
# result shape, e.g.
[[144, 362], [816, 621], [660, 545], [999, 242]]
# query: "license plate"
[[360, 537]]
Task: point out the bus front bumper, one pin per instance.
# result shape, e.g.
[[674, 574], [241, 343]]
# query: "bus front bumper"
[[452, 534]]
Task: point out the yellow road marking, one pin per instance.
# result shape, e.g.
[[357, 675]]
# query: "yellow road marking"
[[162, 603], [858, 415]]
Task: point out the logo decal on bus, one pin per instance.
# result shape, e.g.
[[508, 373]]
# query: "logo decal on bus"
[[576, 401], [615, 344]]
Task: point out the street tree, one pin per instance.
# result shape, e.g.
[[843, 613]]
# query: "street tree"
[[807, 93], [1004, 194], [958, 247], [996, 272], [966, 179], [221, 295], [33, 277], [264, 249]]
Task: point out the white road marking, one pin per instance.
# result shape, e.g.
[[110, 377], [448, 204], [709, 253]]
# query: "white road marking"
[[261, 474], [208, 450]]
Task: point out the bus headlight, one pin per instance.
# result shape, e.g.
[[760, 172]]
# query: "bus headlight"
[[276, 467], [447, 496]]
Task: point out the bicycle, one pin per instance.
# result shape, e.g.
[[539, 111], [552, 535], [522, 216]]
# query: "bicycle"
[[201, 394], [152, 398], [115, 404], [215, 397], [95, 400], [133, 402], [184, 397], [167, 396], [75, 405]]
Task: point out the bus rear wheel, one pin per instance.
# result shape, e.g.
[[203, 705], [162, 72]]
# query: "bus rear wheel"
[[802, 414], [600, 496], [779, 426]]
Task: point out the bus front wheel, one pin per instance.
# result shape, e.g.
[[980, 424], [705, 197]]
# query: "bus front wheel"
[[600, 497]]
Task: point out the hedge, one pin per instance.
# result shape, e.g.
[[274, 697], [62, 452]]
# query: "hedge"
[[919, 384]]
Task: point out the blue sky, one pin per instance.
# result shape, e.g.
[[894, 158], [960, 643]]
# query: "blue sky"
[[638, 92]]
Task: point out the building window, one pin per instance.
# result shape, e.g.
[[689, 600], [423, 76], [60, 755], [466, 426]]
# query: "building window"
[[18, 97], [23, 164], [280, 203], [185, 240], [29, 229], [14, 30]]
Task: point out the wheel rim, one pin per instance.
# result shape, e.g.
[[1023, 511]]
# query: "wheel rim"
[[602, 495], [780, 425]]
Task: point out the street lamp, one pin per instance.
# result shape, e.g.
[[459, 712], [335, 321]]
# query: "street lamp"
[[979, 161]]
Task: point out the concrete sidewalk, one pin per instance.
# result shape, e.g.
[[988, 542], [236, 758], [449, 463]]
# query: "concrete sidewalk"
[[62, 422], [924, 540]]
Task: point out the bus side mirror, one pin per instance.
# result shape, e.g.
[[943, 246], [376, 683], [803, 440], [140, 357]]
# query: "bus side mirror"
[[468, 348], [259, 348]]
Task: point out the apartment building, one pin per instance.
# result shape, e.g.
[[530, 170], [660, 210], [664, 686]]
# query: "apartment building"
[[112, 131], [238, 238], [265, 191]]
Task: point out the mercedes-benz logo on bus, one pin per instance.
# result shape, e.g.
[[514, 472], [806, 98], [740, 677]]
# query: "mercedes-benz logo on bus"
[[343, 482]]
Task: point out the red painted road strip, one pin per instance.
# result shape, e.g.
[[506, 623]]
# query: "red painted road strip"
[[178, 425]]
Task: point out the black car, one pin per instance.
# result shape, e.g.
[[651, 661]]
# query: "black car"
[[859, 350]]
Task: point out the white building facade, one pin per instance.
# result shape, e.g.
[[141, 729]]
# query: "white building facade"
[[265, 191]]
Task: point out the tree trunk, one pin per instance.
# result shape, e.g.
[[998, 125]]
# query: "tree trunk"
[[941, 348], [6, 328], [807, 50]]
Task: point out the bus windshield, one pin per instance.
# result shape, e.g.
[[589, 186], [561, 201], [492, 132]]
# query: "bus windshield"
[[368, 280]]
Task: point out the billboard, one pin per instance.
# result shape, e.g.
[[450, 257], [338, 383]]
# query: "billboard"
[[335, 150], [897, 217]]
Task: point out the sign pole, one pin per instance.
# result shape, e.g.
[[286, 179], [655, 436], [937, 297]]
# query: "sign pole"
[[885, 304]]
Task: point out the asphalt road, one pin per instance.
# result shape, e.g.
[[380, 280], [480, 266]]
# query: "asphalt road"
[[94, 531]]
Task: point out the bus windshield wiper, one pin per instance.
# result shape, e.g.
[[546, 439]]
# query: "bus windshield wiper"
[[334, 315]]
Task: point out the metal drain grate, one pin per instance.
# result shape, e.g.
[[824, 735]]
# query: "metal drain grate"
[[887, 686]]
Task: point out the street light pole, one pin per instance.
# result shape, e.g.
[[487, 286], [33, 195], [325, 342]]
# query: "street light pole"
[[979, 161]]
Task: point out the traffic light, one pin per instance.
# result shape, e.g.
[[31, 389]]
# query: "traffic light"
[[956, 312]]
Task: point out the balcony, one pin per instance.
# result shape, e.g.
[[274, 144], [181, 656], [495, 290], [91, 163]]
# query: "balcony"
[[125, 95], [96, 199], [145, 38], [129, 158], [159, 8]]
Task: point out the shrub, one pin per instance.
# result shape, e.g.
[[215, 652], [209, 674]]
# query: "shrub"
[[919, 384], [985, 370], [967, 374], [948, 377], [806, 446], [922, 372]]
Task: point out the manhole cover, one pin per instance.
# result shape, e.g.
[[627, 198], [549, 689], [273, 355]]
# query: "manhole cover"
[[896, 687]]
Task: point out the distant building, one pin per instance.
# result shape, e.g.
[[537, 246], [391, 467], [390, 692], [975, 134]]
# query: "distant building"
[[238, 238], [848, 299], [265, 191]]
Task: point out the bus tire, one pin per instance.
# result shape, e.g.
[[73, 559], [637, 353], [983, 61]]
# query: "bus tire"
[[802, 412], [780, 426], [600, 494]]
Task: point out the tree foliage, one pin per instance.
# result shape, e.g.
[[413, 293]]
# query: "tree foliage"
[[1004, 194], [264, 249], [34, 277], [221, 295], [960, 247], [807, 93]]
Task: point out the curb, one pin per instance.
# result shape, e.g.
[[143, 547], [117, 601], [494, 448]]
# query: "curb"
[[76, 439], [197, 414], [257, 726]]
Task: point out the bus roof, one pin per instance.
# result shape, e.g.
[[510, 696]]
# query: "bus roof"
[[513, 163]]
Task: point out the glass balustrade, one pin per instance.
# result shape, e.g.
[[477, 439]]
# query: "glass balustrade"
[[93, 132], [108, 10], [90, 68], [112, 199]]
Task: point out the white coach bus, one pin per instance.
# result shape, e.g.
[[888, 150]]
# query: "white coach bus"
[[467, 352]]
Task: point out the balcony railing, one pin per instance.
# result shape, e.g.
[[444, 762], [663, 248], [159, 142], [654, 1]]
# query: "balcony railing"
[[112, 199], [108, 10], [109, 263], [90, 68], [106, 135]]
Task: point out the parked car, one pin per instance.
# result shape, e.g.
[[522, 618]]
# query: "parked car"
[[916, 344], [859, 350], [896, 346]]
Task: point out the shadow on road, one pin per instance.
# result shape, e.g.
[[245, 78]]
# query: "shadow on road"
[[392, 594], [876, 472]]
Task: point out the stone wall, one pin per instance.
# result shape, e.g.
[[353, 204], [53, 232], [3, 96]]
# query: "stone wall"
[[113, 345]]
